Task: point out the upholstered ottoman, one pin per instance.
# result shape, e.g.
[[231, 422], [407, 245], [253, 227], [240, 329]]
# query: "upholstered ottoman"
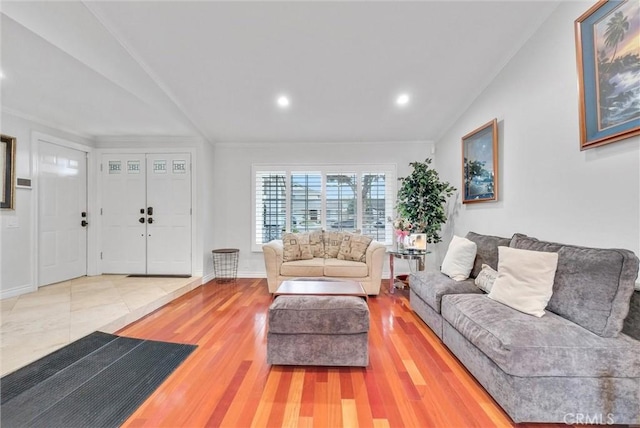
[[318, 331]]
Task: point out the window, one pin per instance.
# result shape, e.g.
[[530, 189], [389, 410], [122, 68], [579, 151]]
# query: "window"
[[329, 197]]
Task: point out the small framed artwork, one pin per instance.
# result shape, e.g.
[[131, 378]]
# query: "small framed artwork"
[[480, 164], [609, 82], [417, 241], [7, 171]]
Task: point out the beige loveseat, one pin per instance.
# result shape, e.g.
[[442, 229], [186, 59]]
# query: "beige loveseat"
[[323, 261]]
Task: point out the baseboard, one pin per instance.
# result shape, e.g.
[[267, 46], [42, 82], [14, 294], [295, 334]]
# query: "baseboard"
[[17, 291]]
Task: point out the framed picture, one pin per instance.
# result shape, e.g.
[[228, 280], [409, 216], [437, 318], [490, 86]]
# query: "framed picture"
[[480, 164], [7, 170], [608, 57], [417, 241]]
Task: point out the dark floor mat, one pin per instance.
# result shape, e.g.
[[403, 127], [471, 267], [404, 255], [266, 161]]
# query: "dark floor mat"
[[97, 381]]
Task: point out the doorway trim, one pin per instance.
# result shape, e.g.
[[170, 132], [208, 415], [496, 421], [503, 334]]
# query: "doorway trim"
[[36, 138]]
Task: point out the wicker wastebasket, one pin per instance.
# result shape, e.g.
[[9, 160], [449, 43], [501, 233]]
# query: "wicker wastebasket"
[[225, 264]]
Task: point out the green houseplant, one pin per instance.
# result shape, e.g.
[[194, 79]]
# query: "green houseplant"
[[421, 200]]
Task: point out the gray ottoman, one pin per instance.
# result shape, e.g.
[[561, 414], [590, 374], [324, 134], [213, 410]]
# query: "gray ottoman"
[[318, 331]]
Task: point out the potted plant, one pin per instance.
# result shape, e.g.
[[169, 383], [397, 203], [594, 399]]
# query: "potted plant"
[[422, 198]]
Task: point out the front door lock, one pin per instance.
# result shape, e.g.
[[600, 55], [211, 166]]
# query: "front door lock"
[[84, 223], [150, 211], [150, 220], [141, 219]]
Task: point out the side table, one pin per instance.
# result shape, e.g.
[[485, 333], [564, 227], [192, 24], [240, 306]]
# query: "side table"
[[418, 256]]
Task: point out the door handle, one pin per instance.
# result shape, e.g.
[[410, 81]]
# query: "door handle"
[[150, 211], [83, 214], [141, 219], [84, 223], [141, 210], [150, 220]]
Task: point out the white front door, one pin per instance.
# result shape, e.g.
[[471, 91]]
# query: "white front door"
[[169, 227], [124, 234], [146, 214], [62, 200]]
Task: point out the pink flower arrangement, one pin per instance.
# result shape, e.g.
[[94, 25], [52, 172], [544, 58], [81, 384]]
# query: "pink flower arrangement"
[[403, 228]]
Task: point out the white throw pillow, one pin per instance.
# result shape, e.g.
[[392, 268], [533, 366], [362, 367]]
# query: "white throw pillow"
[[486, 278], [458, 261], [525, 279]]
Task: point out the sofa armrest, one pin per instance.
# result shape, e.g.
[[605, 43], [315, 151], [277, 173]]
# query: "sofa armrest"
[[375, 262], [273, 252]]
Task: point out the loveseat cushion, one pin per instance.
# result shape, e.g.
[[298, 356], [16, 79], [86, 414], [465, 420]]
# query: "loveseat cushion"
[[312, 267], [431, 286], [486, 250], [527, 346], [296, 247], [354, 247], [345, 268], [592, 286], [316, 242], [332, 242], [318, 315]]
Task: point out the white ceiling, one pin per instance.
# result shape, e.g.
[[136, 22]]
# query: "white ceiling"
[[214, 69]]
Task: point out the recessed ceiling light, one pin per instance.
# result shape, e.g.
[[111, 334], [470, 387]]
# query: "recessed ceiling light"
[[283, 101], [402, 100]]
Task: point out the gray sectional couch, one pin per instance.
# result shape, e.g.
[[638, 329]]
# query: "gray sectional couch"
[[580, 360]]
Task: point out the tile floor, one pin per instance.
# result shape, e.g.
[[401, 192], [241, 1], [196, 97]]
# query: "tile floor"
[[35, 324]]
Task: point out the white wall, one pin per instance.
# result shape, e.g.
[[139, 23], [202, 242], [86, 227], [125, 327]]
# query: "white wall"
[[17, 238], [231, 211], [549, 189]]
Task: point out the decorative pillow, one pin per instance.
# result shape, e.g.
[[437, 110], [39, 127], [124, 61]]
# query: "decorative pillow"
[[354, 247], [458, 261], [525, 279], [316, 240], [332, 242], [486, 278], [296, 247]]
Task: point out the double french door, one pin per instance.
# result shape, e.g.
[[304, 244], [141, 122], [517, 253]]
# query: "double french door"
[[146, 214]]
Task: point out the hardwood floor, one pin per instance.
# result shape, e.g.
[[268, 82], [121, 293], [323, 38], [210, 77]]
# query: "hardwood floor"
[[412, 380]]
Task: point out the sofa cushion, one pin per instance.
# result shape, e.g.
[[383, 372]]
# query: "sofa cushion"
[[354, 247], [332, 242], [318, 315], [296, 247], [525, 279], [525, 346], [431, 286], [592, 286], [458, 261], [312, 267], [486, 251], [345, 268], [316, 242], [486, 278]]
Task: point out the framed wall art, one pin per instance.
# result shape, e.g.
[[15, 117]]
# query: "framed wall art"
[[480, 164], [7, 171], [608, 60]]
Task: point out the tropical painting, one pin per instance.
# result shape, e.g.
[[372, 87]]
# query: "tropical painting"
[[479, 158], [608, 42], [617, 43]]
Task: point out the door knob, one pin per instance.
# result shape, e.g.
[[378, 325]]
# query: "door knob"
[[84, 223], [150, 211], [150, 220], [83, 214], [141, 219]]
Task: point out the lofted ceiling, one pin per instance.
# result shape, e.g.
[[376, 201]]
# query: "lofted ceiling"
[[214, 69]]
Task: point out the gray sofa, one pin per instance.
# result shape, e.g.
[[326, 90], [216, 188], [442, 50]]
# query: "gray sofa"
[[580, 360]]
